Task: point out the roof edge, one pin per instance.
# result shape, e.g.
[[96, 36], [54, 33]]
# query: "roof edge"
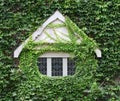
[[56, 15]]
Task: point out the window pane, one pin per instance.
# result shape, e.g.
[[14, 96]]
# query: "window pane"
[[57, 67], [71, 66], [42, 64]]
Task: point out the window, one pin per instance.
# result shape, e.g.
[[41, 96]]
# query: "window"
[[42, 63], [56, 64], [71, 66]]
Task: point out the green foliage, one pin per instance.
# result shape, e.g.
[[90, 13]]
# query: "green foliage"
[[41, 87], [98, 19]]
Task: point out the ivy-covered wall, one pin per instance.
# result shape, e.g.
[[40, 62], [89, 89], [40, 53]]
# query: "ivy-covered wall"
[[80, 86], [100, 20]]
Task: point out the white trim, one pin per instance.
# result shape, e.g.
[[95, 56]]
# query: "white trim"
[[55, 54], [98, 53], [64, 66], [56, 15], [49, 67], [19, 49], [51, 55]]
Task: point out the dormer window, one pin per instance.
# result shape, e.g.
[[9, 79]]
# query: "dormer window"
[[61, 30], [56, 64]]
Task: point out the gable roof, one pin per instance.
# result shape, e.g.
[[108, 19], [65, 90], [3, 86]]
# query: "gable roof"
[[42, 33], [56, 15]]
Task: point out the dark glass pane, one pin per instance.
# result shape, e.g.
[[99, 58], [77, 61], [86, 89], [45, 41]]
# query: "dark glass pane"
[[42, 64], [71, 66], [57, 67]]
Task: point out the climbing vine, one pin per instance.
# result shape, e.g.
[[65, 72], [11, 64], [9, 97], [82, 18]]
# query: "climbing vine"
[[81, 86], [100, 20]]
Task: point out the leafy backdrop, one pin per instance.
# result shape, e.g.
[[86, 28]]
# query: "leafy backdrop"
[[100, 20]]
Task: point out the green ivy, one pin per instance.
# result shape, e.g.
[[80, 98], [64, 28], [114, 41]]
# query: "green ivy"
[[82, 85], [100, 20]]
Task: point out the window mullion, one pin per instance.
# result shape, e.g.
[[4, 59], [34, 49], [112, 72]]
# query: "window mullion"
[[64, 66], [49, 70]]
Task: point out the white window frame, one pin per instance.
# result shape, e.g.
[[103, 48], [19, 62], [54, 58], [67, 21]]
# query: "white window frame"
[[51, 55]]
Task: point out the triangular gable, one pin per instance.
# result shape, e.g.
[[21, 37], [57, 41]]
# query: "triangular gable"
[[49, 34], [56, 15]]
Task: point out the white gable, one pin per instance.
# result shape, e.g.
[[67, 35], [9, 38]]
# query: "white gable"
[[54, 34], [56, 15], [49, 34]]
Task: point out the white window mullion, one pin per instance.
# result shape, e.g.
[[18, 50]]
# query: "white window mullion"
[[49, 69], [64, 66]]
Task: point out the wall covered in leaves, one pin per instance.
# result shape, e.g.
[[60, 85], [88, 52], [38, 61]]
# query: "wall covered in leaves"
[[100, 20]]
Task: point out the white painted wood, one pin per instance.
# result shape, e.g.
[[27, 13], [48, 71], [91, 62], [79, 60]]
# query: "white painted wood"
[[43, 36], [57, 34], [19, 49], [39, 34], [56, 15], [63, 34], [49, 67], [64, 66], [98, 53], [56, 54], [57, 21]]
